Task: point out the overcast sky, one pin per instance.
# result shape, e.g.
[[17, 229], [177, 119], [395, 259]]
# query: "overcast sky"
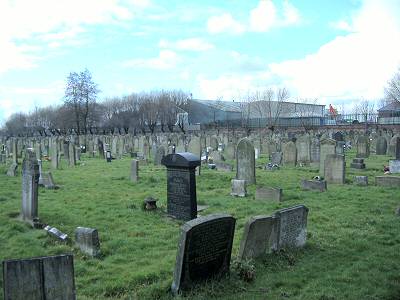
[[339, 51]]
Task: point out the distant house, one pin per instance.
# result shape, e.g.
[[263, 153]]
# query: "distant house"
[[389, 114], [254, 114]]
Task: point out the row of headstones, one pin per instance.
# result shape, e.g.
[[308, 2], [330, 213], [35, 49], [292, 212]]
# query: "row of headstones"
[[204, 253]]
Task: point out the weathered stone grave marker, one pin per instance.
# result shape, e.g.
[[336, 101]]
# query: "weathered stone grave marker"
[[39, 278], [245, 161], [30, 185], [87, 239]]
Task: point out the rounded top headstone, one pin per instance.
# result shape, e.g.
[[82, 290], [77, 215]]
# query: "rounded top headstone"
[[181, 160]]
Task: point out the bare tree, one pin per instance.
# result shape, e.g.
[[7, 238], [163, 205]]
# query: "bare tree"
[[392, 90], [80, 94]]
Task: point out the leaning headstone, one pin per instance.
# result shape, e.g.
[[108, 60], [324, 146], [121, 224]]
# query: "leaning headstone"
[[381, 146], [204, 251], [291, 229], [134, 170], [48, 181], [388, 181], [30, 184], [39, 278], [181, 185], [268, 193], [245, 161], [335, 167], [258, 237], [318, 185], [238, 188], [361, 180], [87, 239]]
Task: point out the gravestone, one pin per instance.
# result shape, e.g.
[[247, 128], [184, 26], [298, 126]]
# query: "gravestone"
[[258, 238], [216, 156], [14, 151], [303, 150], [276, 158], [268, 193], [12, 170], [335, 167], [328, 146], [134, 170], [340, 147], [291, 228], [160, 153], [393, 146], [388, 181], [71, 154], [39, 278], [30, 185], [181, 185], [66, 150], [204, 250], [394, 166], [381, 146], [222, 166], [362, 147], [214, 143], [361, 180], [289, 154], [100, 147], [397, 148], [309, 185], [87, 239], [238, 188], [315, 150], [286, 228], [358, 163], [229, 151], [54, 154], [338, 136], [48, 181], [245, 161]]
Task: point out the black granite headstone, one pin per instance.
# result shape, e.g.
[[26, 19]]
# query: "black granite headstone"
[[181, 185], [108, 156], [204, 250]]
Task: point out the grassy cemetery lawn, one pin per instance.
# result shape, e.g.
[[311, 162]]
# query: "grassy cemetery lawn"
[[352, 250]]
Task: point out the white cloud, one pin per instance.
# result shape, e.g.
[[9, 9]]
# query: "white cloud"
[[55, 22], [167, 59], [341, 25], [23, 99], [224, 23], [352, 66], [262, 18], [191, 44]]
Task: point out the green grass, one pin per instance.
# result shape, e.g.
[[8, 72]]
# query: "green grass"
[[352, 252]]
